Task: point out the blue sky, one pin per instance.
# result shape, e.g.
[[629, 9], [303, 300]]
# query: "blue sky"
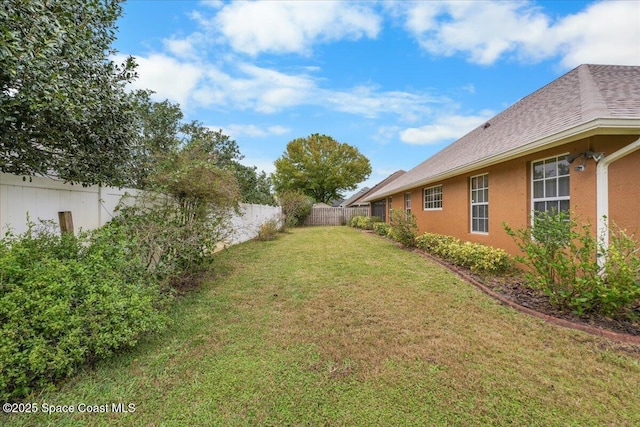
[[399, 80]]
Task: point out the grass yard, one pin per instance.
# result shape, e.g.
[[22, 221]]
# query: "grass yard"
[[331, 326]]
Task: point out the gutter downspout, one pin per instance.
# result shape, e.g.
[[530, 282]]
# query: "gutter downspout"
[[602, 192]]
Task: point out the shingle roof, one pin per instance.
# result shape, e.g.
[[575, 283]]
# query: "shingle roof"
[[381, 184], [578, 100], [353, 198]]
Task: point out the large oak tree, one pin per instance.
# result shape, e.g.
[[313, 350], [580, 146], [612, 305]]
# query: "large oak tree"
[[64, 110], [320, 167]]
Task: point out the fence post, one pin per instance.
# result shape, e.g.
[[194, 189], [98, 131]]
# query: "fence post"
[[66, 222]]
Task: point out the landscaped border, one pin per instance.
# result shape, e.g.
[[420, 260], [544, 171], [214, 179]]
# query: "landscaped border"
[[614, 336], [593, 330]]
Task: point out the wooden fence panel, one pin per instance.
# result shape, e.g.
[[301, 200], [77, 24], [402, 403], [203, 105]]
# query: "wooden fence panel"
[[334, 216]]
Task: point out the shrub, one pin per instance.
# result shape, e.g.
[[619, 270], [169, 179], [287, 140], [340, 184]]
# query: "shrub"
[[68, 300], [381, 228], [268, 230], [563, 257], [295, 206], [170, 241], [403, 228], [364, 222], [477, 257]]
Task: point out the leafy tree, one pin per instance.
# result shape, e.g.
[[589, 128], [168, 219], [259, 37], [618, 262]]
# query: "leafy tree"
[[225, 154], [320, 167], [255, 187], [161, 134], [179, 225], [223, 150], [63, 107], [158, 125]]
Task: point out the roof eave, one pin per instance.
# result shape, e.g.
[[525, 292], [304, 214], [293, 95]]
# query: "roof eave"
[[609, 126]]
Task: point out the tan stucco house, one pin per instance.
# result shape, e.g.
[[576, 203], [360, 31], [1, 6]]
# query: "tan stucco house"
[[573, 145]]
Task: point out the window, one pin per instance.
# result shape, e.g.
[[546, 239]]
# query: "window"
[[378, 209], [407, 203], [480, 204], [550, 185], [433, 197]]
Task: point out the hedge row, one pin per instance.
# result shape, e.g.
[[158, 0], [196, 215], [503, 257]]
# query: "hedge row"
[[364, 222], [477, 257]]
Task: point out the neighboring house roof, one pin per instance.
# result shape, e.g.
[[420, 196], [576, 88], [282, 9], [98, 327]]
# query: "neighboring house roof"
[[588, 100], [350, 201], [321, 205], [364, 197]]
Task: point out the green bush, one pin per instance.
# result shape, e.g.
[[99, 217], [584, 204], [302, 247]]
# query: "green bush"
[[295, 206], [173, 241], [269, 230], [364, 222], [477, 257], [68, 300], [381, 228], [563, 257], [403, 228]]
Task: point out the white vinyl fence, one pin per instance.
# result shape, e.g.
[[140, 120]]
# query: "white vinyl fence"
[[92, 207], [246, 226], [43, 198]]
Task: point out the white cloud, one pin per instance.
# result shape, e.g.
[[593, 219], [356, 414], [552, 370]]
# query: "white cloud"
[[238, 130], [244, 86], [443, 129], [265, 165], [483, 30], [605, 32], [292, 26], [386, 134], [187, 47], [166, 76], [368, 101]]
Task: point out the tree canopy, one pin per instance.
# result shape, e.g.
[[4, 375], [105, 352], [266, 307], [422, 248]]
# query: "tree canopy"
[[162, 134], [63, 106], [321, 167]]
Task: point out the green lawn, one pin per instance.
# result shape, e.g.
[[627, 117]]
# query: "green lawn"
[[331, 326]]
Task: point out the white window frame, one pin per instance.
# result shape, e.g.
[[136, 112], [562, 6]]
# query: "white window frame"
[[434, 202], [553, 199], [473, 203], [407, 202]]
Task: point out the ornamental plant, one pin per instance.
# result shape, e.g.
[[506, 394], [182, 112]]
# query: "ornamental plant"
[[562, 257], [403, 228], [381, 228], [477, 257], [67, 300]]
